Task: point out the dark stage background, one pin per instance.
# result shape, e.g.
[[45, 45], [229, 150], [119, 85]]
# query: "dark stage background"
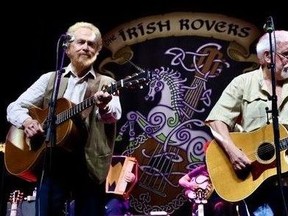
[[29, 38]]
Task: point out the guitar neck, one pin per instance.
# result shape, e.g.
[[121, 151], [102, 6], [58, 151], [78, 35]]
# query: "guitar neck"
[[74, 110], [14, 209], [283, 144], [15, 198], [86, 103], [129, 81]]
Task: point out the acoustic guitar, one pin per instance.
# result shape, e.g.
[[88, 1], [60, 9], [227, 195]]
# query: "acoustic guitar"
[[259, 146], [23, 154]]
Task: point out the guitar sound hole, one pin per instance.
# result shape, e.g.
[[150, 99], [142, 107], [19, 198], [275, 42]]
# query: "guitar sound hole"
[[243, 174], [266, 151], [36, 142]]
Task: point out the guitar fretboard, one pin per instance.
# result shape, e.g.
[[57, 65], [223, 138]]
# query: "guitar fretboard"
[[129, 81]]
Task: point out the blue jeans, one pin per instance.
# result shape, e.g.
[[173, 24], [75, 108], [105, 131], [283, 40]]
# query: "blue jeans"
[[263, 210], [117, 206]]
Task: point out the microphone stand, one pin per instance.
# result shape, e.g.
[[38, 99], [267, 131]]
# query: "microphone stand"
[[51, 123], [50, 138], [52, 117], [270, 29]]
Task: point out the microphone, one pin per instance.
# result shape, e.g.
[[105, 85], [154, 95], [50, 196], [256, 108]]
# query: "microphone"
[[67, 38], [269, 25]]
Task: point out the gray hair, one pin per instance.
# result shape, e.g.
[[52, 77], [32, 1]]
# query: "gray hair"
[[263, 44], [93, 28]]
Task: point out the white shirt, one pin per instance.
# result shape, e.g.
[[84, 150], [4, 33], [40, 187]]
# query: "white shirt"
[[18, 111]]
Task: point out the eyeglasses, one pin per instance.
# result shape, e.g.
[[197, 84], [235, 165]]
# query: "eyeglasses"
[[283, 55]]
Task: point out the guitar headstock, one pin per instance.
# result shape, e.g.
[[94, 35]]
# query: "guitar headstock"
[[16, 197], [2, 147], [136, 80]]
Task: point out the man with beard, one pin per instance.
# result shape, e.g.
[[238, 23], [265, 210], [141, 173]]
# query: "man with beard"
[[78, 171]]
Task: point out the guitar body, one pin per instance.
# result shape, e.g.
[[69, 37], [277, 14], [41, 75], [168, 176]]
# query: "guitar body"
[[22, 155], [259, 146]]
